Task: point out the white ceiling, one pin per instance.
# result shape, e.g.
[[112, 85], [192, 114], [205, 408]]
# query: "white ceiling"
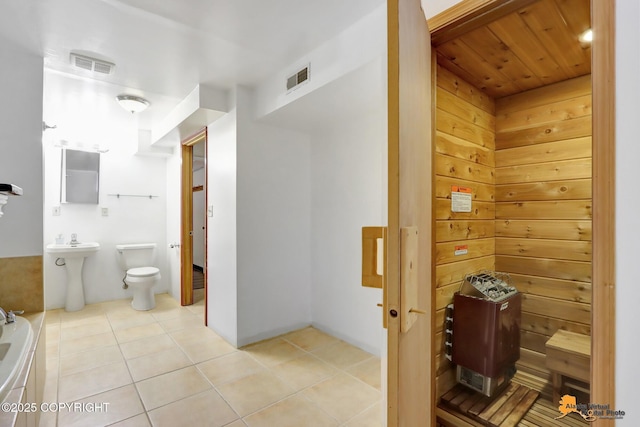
[[162, 49], [167, 47]]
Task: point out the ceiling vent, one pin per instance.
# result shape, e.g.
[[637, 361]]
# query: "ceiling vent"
[[91, 64], [298, 78]]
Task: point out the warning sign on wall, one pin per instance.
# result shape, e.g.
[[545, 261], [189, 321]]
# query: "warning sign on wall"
[[460, 199], [461, 250]]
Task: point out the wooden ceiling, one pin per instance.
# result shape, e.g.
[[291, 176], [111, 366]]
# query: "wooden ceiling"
[[528, 45]]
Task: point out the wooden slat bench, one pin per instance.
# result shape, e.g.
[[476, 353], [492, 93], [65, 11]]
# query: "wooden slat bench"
[[568, 355]]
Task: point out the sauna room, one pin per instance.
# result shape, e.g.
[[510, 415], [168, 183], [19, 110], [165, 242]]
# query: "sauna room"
[[513, 138]]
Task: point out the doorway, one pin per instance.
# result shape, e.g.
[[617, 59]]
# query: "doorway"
[[199, 220], [193, 256], [599, 274]]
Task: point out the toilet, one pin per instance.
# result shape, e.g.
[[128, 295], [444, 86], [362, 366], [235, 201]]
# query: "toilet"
[[137, 260]]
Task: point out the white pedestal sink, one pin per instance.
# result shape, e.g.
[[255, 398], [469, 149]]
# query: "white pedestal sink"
[[74, 255]]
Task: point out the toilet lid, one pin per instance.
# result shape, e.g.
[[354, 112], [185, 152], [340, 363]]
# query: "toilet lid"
[[142, 271]]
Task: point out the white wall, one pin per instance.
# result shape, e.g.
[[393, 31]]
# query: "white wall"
[[342, 109], [222, 262], [274, 218], [357, 45], [627, 207], [348, 192], [21, 150], [81, 117], [174, 194], [259, 234]]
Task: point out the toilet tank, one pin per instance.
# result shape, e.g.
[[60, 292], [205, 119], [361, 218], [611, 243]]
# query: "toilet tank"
[[135, 255]]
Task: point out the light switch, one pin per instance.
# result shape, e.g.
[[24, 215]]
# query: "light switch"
[[56, 211], [210, 211], [105, 211]]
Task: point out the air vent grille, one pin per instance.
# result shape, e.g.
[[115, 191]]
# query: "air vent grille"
[[298, 78], [91, 64], [83, 63], [101, 67]]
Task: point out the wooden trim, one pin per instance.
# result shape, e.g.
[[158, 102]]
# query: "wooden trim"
[[186, 253], [468, 15], [603, 336], [206, 241], [391, 280], [196, 138], [433, 344], [186, 226], [456, 14], [603, 274]]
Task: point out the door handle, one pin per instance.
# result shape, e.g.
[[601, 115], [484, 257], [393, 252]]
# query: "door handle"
[[373, 256], [374, 261]]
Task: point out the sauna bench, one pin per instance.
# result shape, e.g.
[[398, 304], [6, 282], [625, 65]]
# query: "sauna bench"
[[568, 355]]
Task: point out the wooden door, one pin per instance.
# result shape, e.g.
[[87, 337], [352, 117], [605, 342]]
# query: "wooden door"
[[186, 213], [409, 320], [186, 233]]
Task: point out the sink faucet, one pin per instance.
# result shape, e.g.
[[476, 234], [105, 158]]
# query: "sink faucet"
[[9, 317], [74, 239]]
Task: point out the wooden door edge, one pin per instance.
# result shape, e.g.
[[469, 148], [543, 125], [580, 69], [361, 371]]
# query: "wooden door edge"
[[186, 224], [603, 337]]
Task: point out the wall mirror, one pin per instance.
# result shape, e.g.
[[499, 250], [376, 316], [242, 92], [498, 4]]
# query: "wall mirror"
[[80, 176]]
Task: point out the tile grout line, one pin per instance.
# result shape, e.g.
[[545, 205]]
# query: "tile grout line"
[[130, 375], [219, 393], [346, 372], [58, 368], [85, 336], [193, 364], [134, 383], [181, 350], [270, 369], [343, 370], [360, 413], [300, 392]]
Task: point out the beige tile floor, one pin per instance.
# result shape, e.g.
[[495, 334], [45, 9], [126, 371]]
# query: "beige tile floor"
[[164, 368]]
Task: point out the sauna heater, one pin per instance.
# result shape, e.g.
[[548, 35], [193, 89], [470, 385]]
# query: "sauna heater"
[[483, 331]]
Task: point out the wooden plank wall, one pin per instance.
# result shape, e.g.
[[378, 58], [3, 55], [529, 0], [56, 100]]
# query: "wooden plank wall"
[[527, 159], [543, 210], [464, 156]]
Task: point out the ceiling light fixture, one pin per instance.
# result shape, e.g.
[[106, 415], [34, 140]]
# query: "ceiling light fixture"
[[132, 103], [586, 37]]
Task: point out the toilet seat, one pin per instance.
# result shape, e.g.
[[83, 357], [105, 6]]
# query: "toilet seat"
[[142, 272]]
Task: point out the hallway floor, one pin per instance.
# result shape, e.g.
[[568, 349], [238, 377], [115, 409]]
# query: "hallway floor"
[[164, 368]]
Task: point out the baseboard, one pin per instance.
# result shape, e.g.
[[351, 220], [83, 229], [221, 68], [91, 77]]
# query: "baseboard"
[[376, 351], [272, 333]]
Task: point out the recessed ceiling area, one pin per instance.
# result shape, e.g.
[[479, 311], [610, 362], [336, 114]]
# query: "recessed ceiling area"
[[533, 46], [169, 47], [348, 97]]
